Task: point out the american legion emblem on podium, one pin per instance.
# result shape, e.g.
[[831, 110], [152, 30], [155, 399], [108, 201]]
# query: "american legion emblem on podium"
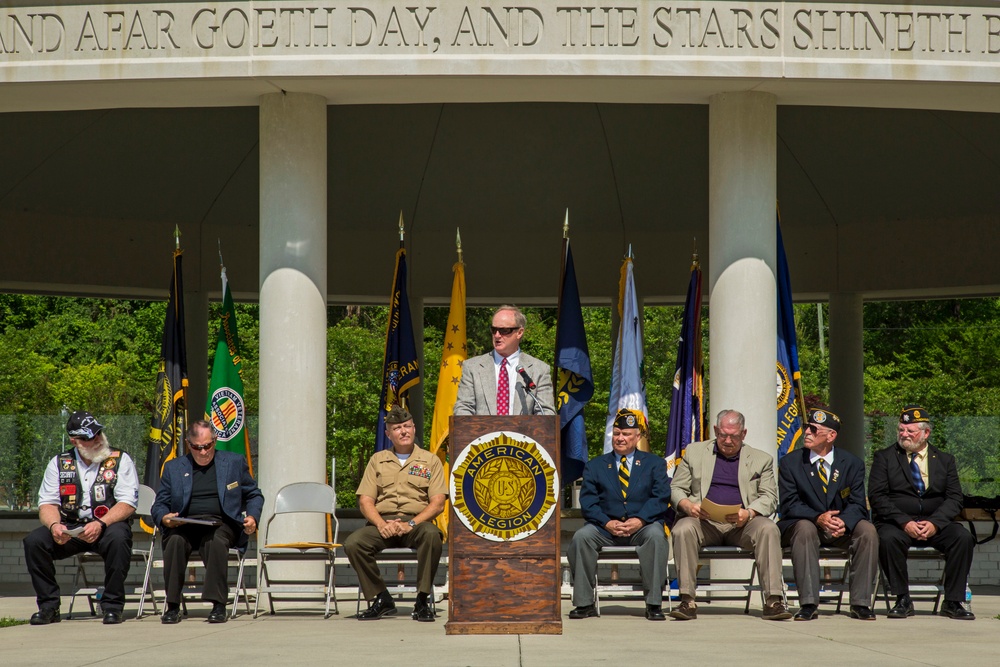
[[503, 486]]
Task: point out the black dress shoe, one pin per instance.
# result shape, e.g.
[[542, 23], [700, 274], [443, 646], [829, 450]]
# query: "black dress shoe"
[[218, 613], [957, 611], [862, 613], [171, 616], [112, 618], [589, 611], [381, 606], [903, 607], [422, 612], [45, 616], [654, 612], [806, 612]]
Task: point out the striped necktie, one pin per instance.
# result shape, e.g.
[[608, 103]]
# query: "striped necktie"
[[918, 479], [623, 475], [821, 467]]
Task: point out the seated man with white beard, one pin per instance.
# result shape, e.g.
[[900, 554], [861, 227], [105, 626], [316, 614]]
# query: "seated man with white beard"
[[94, 489], [915, 496]]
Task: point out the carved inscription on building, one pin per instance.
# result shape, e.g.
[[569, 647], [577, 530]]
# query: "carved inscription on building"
[[757, 30]]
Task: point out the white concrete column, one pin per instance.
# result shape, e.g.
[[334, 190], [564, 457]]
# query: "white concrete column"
[[293, 264], [196, 334], [847, 369], [742, 187]]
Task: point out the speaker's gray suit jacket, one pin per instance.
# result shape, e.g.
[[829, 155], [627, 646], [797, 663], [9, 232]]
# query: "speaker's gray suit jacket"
[[477, 392]]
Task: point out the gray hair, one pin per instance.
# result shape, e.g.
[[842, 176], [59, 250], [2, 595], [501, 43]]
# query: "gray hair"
[[519, 319], [732, 415]]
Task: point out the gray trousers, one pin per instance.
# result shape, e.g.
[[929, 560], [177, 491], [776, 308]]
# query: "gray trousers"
[[805, 538], [760, 535], [652, 548]]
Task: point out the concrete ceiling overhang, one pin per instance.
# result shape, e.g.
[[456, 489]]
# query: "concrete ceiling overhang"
[[887, 203]]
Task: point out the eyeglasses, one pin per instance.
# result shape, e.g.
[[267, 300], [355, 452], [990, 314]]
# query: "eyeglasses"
[[503, 331], [201, 448], [82, 439]]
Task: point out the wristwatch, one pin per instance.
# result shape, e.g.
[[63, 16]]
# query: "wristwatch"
[[412, 523]]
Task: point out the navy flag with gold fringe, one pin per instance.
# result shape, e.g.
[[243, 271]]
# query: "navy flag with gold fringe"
[[400, 367], [791, 402], [575, 382], [166, 432]]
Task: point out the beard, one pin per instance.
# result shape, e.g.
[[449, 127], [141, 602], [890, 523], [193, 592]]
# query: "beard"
[[98, 454], [914, 444]]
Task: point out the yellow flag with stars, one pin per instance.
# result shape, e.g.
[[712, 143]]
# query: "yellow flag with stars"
[[453, 354]]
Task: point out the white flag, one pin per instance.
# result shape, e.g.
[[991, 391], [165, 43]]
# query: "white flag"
[[628, 388]]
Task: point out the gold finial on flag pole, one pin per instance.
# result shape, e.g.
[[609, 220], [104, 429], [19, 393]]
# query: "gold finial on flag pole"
[[458, 243], [630, 255], [694, 252], [566, 225], [402, 228], [177, 237]]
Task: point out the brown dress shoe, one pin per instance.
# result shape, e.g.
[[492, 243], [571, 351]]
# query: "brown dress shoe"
[[776, 611], [685, 611]]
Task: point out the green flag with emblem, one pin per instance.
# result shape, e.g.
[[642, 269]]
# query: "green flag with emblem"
[[226, 410]]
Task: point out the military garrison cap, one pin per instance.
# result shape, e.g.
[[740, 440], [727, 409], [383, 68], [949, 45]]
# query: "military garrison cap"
[[397, 415], [825, 418], [912, 414]]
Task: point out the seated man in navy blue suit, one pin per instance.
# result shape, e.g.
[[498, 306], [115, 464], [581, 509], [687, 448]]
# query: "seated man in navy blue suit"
[[624, 500], [822, 490], [213, 486]]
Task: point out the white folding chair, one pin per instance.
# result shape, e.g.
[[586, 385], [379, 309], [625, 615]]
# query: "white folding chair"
[[139, 555], [300, 497]]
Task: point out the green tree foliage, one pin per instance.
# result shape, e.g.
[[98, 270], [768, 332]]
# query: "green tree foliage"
[[102, 354]]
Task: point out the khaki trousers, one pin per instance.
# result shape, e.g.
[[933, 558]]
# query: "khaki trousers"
[[760, 535], [365, 543]]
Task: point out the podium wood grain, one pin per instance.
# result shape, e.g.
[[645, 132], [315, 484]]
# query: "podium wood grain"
[[505, 587]]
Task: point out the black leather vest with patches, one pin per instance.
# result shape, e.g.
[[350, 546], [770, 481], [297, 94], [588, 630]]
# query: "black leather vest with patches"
[[102, 492]]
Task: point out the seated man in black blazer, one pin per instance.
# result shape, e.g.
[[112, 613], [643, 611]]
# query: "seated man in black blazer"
[[822, 491], [915, 496], [624, 500]]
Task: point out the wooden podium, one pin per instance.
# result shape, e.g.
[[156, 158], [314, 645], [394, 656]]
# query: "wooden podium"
[[503, 553]]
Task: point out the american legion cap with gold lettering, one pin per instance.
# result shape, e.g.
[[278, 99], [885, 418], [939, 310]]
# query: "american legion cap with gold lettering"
[[825, 418], [912, 414], [626, 418]]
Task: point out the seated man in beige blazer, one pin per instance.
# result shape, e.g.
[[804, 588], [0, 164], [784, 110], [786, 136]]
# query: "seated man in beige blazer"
[[727, 473]]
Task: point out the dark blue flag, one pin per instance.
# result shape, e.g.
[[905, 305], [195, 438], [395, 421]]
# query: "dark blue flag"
[[790, 399], [401, 367], [687, 402], [575, 384]]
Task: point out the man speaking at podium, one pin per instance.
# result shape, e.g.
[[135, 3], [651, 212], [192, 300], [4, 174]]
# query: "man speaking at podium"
[[624, 498], [505, 381]]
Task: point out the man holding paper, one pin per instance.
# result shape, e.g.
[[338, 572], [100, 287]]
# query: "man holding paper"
[[725, 473], [85, 503], [207, 500]]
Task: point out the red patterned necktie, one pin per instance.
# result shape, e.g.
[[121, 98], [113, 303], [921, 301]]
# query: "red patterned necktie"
[[503, 390]]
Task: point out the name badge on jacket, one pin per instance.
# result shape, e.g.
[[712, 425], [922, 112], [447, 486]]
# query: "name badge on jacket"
[[231, 486]]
